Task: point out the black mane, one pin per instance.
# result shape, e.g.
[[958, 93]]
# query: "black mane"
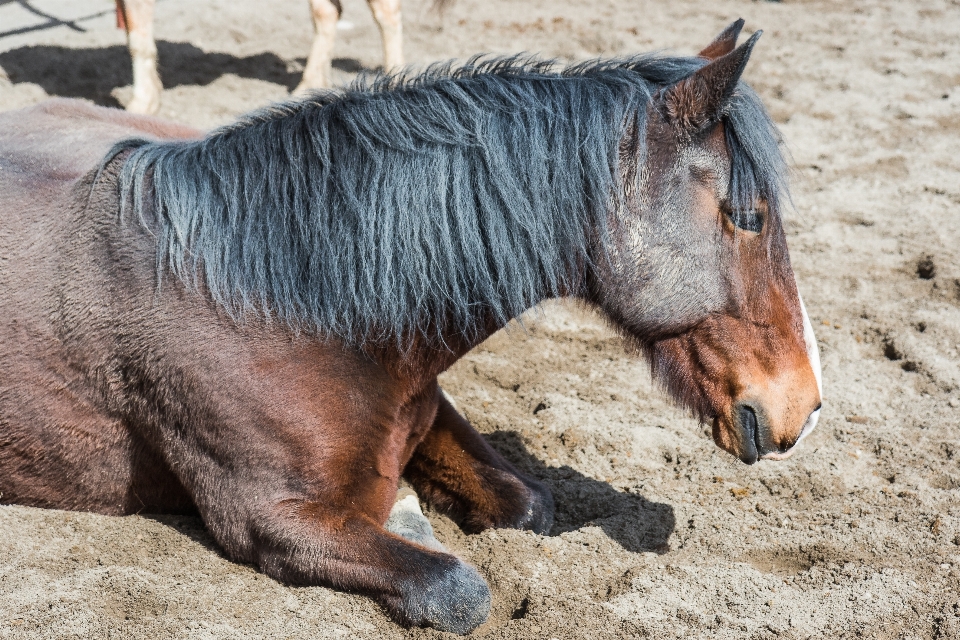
[[401, 203]]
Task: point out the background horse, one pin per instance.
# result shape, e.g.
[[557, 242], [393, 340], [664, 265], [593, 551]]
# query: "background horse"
[[136, 17], [252, 324]]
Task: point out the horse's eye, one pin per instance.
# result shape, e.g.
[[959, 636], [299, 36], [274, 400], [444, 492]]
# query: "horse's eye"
[[747, 219]]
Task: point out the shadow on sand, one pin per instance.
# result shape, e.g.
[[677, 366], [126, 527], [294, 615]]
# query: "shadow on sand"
[[632, 521], [94, 73], [190, 526]]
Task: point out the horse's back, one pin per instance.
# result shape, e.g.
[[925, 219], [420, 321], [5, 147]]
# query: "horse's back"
[[61, 140], [45, 151]]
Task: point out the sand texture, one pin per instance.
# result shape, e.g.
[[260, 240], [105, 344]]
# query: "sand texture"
[[658, 534]]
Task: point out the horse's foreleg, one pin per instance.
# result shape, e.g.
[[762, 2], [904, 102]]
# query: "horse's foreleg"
[[138, 18], [316, 74], [315, 542], [387, 15], [455, 470]]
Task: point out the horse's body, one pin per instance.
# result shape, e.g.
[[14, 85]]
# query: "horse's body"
[[136, 17], [319, 265]]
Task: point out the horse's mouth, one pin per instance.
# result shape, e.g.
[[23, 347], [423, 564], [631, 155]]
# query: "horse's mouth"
[[739, 433]]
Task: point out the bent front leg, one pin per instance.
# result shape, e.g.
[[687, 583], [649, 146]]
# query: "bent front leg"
[[456, 471], [304, 542], [138, 20]]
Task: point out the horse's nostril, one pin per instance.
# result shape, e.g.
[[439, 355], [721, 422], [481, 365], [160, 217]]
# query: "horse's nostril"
[[751, 434], [748, 422]]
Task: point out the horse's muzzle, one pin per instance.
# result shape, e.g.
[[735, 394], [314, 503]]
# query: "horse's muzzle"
[[756, 436]]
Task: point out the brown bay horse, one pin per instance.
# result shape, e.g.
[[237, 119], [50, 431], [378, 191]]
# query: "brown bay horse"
[[250, 324], [136, 17]]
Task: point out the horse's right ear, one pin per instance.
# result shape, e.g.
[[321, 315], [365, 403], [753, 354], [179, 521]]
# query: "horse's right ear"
[[723, 43], [699, 99]]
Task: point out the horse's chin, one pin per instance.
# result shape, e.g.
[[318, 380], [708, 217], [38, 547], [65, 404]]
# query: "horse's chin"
[[777, 456]]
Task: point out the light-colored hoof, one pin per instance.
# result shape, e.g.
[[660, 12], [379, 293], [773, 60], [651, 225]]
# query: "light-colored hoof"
[[407, 521]]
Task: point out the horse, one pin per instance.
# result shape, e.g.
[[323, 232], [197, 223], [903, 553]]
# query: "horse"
[[249, 324], [136, 18]]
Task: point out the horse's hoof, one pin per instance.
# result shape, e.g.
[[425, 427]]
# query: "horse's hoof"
[[523, 503], [407, 521], [457, 602], [541, 509]]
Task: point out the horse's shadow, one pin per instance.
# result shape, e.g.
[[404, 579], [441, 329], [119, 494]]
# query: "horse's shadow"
[[94, 73], [631, 520], [190, 526]]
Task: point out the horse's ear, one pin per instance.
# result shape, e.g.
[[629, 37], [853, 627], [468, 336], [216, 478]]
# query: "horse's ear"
[[699, 99], [723, 43]]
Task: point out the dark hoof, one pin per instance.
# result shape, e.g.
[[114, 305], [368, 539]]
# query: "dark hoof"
[[524, 504], [539, 515], [458, 601]]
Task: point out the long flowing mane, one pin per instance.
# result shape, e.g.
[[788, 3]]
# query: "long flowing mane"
[[410, 203]]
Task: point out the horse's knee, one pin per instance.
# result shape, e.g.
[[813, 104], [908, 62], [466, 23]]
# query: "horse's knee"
[[386, 13]]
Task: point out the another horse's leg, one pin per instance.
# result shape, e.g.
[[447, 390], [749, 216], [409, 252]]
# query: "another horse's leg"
[[316, 74], [138, 18], [387, 15], [454, 469]]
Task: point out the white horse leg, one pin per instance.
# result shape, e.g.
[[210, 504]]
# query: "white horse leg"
[[138, 16], [407, 521], [316, 74], [387, 15]]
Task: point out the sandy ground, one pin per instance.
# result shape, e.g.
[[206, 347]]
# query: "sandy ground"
[[658, 534]]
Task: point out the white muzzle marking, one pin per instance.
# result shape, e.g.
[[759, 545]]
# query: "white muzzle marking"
[[813, 353]]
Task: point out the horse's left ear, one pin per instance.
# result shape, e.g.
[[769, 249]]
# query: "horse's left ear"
[[699, 99], [723, 43]]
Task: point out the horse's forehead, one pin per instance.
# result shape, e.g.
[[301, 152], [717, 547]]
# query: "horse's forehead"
[[709, 149], [703, 153]]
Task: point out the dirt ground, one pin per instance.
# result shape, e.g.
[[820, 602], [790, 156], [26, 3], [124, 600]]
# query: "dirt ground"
[[659, 534]]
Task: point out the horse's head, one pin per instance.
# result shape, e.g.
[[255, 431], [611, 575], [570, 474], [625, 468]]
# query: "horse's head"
[[698, 269]]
